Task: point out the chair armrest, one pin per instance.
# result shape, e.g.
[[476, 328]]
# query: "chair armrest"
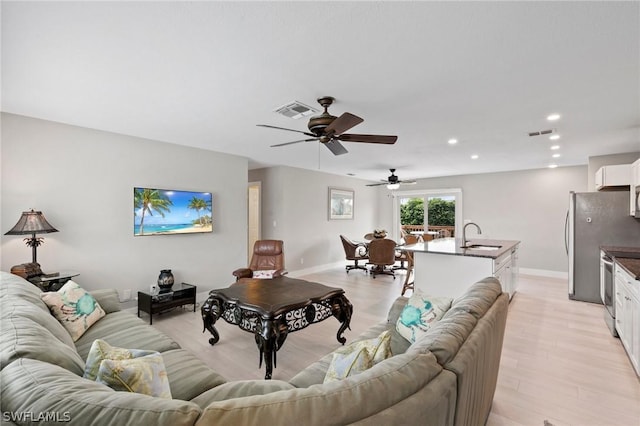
[[243, 273]]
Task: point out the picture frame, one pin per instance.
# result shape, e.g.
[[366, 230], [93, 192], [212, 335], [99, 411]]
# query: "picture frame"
[[341, 204]]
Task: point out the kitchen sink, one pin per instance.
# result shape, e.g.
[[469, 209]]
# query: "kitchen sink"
[[482, 247]]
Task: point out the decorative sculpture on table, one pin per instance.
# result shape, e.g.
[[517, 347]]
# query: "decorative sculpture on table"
[[165, 280]]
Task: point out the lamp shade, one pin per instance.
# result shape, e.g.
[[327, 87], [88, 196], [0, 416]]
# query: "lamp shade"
[[31, 222]]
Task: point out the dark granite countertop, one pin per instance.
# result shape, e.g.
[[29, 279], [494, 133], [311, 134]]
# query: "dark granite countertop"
[[627, 257], [452, 246]]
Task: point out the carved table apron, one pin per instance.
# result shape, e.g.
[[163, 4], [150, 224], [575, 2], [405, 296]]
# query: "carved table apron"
[[272, 308]]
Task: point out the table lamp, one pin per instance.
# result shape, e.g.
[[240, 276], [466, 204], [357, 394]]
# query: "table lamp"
[[32, 222]]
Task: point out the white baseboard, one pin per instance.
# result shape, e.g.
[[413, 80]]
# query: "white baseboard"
[[545, 273], [315, 269]]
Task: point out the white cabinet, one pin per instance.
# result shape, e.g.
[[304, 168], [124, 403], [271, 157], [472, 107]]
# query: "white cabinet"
[[628, 314], [635, 173], [610, 176], [451, 275]]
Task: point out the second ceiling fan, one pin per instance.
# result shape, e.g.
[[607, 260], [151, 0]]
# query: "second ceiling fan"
[[329, 130], [393, 182]]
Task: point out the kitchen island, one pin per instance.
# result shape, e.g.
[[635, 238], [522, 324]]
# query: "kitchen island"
[[443, 268]]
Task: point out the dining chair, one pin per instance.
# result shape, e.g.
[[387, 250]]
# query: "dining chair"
[[382, 253], [401, 255], [409, 278], [355, 252]]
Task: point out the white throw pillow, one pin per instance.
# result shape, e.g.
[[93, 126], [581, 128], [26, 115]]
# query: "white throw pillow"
[[266, 274], [420, 313]]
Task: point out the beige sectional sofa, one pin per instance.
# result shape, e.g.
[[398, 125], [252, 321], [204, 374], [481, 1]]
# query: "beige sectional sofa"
[[447, 377]]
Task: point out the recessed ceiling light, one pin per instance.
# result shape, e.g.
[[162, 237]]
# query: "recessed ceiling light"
[[552, 166], [474, 157], [556, 155], [553, 117], [452, 141], [554, 147], [554, 137]]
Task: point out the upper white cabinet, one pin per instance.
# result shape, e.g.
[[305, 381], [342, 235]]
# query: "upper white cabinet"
[[610, 176], [635, 173], [634, 202]]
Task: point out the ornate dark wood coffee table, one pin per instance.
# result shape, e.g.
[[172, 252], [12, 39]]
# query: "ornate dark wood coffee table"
[[272, 308]]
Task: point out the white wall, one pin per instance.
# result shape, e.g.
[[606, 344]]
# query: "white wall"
[[529, 206], [297, 200], [83, 180]]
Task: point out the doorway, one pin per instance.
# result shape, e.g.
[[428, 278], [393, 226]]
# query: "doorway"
[[430, 213], [254, 197]]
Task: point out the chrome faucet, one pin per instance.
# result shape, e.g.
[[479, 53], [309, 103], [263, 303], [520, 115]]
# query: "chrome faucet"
[[464, 233]]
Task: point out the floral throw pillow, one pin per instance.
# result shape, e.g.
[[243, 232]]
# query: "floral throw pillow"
[[101, 350], [146, 375], [266, 274], [420, 313], [76, 309], [359, 356]]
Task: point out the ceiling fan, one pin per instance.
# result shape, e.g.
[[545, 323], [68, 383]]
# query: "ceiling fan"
[[329, 130], [393, 182]]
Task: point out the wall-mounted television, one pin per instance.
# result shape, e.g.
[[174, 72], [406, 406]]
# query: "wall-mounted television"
[[166, 212]]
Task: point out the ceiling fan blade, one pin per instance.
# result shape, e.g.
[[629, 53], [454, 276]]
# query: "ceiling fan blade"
[[407, 182], [342, 124], [284, 128], [335, 147], [377, 184], [349, 137], [292, 142]]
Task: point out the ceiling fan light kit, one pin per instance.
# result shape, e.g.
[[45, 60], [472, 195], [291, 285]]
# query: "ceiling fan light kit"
[[329, 130]]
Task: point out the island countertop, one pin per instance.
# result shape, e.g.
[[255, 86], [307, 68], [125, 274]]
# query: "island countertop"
[[452, 246]]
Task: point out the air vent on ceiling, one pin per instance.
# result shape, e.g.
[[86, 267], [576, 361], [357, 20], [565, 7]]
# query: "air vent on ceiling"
[[541, 132], [296, 110]]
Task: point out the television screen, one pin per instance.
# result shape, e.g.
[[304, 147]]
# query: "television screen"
[[163, 211]]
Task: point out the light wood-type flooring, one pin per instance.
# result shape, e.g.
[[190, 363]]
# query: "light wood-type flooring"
[[560, 366]]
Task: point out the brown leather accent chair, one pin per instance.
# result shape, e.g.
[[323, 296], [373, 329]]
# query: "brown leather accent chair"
[[382, 253], [267, 255], [355, 252]]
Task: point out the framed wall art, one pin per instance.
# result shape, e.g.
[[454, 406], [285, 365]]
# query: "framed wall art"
[[340, 204]]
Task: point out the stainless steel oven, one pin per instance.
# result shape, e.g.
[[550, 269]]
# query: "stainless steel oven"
[[607, 291]]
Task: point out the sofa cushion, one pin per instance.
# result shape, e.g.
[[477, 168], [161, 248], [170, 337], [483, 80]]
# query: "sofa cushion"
[[125, 330], [108, 299], [420, 313], [37, 387], [76, 309], [101, 350], [240, 389], [383, 385], [145, 375], [188, 376], [22, 337], [11, 307], [479, 297], [399, 344], [17, 288], [446, 336]]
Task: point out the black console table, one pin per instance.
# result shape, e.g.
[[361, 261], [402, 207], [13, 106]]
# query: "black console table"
[[182, 294]]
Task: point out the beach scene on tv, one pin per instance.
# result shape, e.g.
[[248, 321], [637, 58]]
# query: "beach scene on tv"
[[161, 212]]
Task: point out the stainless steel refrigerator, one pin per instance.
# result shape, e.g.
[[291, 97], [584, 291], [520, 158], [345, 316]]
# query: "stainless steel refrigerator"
[[595, 219]]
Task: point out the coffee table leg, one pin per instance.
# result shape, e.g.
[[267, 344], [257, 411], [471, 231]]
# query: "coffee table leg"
[[270, 336], [342, 309], [211, 311]]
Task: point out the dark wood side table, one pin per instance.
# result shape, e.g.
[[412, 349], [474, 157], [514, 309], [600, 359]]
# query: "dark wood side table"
[[271, 308], [181, 294]]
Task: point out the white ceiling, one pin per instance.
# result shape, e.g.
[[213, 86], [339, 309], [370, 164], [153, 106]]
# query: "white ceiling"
[[204, 74]]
